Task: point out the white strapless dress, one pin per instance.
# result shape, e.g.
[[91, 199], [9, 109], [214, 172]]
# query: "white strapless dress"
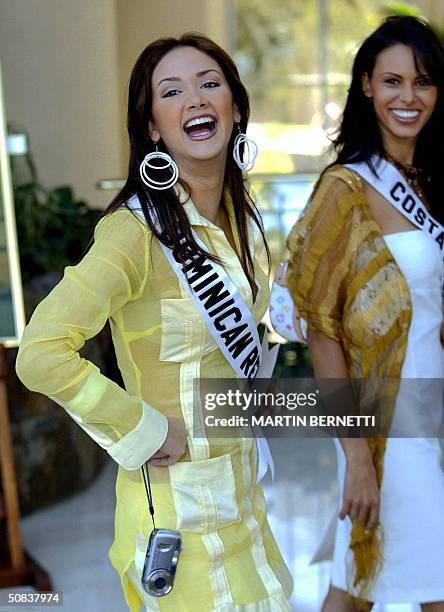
[[412, 492]]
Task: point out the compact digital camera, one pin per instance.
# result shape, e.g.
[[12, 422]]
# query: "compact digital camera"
[[161, 559]]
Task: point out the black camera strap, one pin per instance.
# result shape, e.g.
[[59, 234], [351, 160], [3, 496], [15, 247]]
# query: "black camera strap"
[[146, 480]]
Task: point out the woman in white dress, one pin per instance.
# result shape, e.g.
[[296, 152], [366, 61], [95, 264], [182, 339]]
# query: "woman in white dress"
[[368, 281]]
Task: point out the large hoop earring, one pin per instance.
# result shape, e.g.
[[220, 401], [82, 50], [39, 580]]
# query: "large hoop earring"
[[170, 164], [250, 151]]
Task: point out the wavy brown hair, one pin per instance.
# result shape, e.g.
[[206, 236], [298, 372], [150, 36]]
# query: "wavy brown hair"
[[173, 221]]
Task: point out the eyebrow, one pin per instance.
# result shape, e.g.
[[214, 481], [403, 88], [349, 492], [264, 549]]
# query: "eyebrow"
[[198, 74], [398, 76]]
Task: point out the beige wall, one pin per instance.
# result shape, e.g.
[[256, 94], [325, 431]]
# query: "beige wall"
[[142, 21], [59, 60]]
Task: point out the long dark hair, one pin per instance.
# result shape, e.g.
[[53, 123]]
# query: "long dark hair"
[[173, 221], [359, 136]]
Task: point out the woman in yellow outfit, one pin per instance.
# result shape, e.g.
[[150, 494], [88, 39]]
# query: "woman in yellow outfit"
[[185, 101]]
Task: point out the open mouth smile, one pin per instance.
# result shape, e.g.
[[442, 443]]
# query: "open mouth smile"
[[405, 116], [200, 128]]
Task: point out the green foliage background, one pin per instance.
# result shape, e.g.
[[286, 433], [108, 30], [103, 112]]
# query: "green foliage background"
[[280, 40], [53, 227]]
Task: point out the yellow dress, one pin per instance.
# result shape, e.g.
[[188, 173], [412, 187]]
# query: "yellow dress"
[[230, 560]]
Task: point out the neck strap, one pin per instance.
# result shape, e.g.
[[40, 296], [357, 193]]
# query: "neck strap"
[[147, 483]]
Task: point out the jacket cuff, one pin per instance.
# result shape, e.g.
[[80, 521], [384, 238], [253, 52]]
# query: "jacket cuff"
[[141, 443]]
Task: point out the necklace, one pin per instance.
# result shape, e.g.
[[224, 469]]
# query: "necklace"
[[413, 175]]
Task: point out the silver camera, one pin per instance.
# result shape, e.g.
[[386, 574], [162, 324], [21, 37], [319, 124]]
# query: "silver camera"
[[161, 559]]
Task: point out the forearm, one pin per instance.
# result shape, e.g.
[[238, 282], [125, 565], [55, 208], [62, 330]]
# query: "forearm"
[[329, 363], [123, 424], [52, 367]]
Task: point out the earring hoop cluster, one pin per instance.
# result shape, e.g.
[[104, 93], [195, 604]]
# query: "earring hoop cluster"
[[168, 164], [147, 168], [246, 161]]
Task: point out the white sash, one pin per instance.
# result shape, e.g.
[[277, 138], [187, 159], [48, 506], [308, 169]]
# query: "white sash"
[[227, 317], [394, 188]]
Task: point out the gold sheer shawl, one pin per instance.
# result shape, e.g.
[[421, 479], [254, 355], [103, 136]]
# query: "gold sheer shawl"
[[347, 285]]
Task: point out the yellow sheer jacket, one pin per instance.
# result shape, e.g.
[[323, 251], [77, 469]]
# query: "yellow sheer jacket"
[[162, 345], [347, 285]]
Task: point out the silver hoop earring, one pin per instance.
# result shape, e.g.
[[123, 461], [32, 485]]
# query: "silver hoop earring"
[[250, 151], [169, 164]]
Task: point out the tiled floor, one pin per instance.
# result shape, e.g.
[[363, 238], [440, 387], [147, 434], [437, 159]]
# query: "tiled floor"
[[72, 539]]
